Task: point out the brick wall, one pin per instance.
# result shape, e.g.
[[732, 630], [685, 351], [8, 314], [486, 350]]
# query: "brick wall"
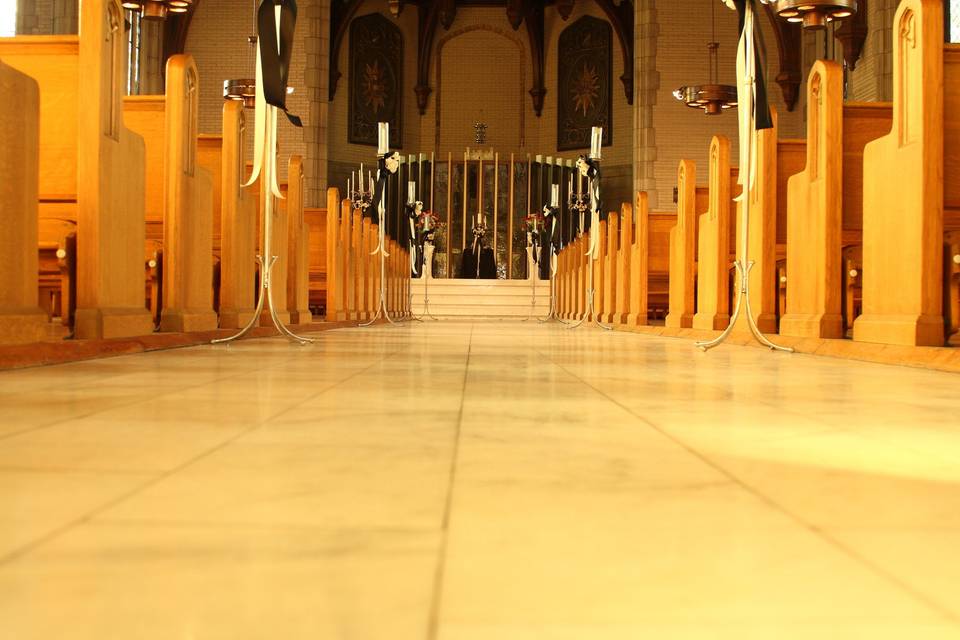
[[685, 133]]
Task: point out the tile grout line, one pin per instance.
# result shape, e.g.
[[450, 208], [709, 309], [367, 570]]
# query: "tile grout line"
[[123, 405], [433, 621], [97, 511], [820, 532]]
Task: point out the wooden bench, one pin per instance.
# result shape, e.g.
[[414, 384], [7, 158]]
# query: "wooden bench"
[[92, 164], [21, 319], [825, 204], [912, 187]]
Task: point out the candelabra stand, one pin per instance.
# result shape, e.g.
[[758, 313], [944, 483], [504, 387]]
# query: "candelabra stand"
[[746, 60], [552, 313], [426, 273], [266, 260], [360, 199], [382, 311], [533, 267], [593, 249]]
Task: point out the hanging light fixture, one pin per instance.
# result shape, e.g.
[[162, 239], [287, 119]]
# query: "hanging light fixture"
[[157, 8], [245, 89], [814, 14], [713, 97]]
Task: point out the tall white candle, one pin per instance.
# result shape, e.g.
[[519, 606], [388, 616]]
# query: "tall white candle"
[[370, 180], [596, 142], [411, 191], [554, 195], [383, 138]]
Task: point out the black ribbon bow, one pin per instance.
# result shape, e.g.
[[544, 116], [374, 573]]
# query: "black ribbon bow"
[[761, 105], [275, 61]]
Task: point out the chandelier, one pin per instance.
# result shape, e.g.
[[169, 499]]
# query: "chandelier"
[[157, 8], [243, 89], [713, 97], [814, 14]]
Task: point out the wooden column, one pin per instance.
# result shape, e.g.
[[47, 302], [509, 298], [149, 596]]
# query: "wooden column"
[[639, 264], [238, 224], [110, 186], [814, 214], [21, 319], [187, 209], [713, 250], [682, 249], [903, 192]]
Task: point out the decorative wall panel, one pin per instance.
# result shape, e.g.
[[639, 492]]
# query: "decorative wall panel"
[[585, 91], [376, 80]]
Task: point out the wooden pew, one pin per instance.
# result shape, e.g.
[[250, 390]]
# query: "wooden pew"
[[825, 204], [638, 287], [611, 249], [713, 246], [814, 215], [238, 224], [624, 255], [315, 221], [21, 319], [93, 165], [298, 246], [335, 298], [683, 240], [110, 186], [776, 160], [658, 292], [187, 208], [598, 269], [951, 279], [910, 178]]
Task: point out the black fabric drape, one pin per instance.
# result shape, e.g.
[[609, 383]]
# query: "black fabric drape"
[[379, 190], [761, 106], [275, 61]]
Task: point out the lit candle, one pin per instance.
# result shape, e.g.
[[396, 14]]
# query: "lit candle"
[[596, 141], [411, 191], [383, 138]]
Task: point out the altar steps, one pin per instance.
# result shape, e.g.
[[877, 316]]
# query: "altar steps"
[[490, 299]]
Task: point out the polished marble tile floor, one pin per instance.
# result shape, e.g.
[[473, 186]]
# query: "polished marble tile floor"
[[458, 481]]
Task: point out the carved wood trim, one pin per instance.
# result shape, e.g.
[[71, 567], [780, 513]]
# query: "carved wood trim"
[[852, 34]]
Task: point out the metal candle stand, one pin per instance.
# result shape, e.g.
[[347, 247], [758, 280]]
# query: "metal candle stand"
[[382, 153], [532, 265], [382, 311], [266, 260], [743, 264], [427, 264], [590, 312], [552, 312]]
